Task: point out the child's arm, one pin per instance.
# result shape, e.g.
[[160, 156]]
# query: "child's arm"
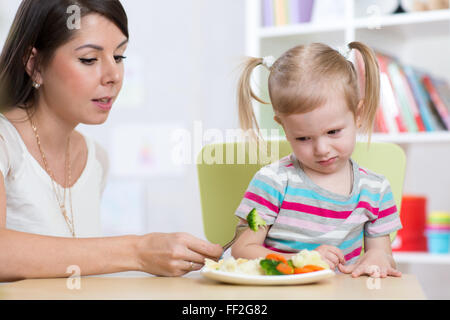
[[377, 260], [250, 244], [381, 244]]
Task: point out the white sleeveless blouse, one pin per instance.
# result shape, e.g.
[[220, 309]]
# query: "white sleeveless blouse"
[[31, 204]]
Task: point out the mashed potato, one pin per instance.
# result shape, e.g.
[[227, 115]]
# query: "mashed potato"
[[306, 257], [252, 267], [243, 266]]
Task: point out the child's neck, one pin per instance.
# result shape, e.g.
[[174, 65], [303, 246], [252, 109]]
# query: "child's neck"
[[340, 182]]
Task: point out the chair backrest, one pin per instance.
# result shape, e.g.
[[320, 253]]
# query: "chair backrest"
[[223, 185]]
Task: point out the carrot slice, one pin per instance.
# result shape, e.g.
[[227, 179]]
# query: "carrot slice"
[[307, 268], [314, 267], [276, 257], [285, 268]]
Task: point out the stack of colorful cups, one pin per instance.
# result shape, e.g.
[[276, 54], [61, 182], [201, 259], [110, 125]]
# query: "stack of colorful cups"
[[438, 232]]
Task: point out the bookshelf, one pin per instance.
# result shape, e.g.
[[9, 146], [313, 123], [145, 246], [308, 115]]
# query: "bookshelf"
[[420, 39], [408, 36]]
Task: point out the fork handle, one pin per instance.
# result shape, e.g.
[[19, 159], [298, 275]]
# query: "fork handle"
[[237, 233]]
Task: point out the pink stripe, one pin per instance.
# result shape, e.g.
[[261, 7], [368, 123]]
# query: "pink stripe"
[[245, 208], [357, 218], [289, 165], [309, 225], [384, 227], [363, 170], [254, 197], [387, 212], [275, 249], [315, 210], [366, 205], [353, 254], [285, 159]]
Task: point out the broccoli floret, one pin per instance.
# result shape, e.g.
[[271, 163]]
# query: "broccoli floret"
[[254, 220]]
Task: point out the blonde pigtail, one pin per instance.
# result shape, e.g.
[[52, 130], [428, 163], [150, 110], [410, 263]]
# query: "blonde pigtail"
[[247, 118], [372, 86]]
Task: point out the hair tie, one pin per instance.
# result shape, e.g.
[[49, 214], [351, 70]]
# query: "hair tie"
[[268, 61], [344, 51]]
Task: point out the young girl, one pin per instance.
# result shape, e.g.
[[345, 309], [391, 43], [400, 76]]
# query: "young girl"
[[53, 78], [318, 198]]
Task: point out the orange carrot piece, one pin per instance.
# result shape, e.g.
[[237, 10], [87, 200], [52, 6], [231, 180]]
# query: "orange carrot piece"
[[285, 268], [302, 270], [276, 257], [314, 267], [308, 268]]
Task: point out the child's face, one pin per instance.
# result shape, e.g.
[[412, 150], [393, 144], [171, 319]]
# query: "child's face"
[[324, 138]]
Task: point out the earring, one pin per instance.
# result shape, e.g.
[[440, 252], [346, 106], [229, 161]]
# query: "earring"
[[36, 85]]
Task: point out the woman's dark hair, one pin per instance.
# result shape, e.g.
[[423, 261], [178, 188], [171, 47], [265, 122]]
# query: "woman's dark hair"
[[43, 24]]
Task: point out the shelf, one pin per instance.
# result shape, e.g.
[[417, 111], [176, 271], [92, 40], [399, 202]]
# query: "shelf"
[[404, 19], [414, 18], [421, 258], [299, 29]]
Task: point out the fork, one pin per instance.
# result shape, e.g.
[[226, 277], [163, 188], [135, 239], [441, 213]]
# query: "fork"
[[239, 229]]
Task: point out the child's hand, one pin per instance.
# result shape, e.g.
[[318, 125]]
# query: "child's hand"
[[375, 263], [331, 255]]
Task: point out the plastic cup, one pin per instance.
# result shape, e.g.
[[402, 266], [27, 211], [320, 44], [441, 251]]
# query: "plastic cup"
[[438, 241]]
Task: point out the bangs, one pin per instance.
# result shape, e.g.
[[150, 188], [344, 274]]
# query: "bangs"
[[297, 97]]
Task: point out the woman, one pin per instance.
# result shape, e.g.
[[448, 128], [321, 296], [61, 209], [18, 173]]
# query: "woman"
[[55, 73]]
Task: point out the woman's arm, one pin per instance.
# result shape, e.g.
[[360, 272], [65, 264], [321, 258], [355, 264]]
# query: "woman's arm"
[[25, 255]]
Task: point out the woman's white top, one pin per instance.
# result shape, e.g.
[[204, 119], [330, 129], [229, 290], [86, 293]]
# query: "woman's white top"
[[31, 203]]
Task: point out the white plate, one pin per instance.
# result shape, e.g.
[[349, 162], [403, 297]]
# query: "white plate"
[[237, 278]]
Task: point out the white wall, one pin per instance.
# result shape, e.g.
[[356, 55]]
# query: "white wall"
[[183, 55]]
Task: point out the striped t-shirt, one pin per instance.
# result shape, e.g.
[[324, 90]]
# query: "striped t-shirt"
[[303, 215]]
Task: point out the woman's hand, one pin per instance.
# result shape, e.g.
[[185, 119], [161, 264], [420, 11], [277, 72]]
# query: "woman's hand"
[[375, 263], [171, 254], [331, 255]]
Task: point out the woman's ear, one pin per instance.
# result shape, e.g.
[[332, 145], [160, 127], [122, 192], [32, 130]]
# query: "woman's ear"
[[359, 109], [31, 69]]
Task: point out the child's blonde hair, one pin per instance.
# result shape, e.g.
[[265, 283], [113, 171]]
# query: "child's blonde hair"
[[302, 77]]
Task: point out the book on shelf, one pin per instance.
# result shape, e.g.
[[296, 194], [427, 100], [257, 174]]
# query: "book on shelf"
[[284, 12], [410, 100], [437, 101]]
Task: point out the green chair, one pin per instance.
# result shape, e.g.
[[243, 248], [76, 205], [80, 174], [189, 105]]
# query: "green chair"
[[223, 185]]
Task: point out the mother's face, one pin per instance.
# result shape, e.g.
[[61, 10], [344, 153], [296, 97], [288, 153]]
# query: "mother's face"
[[87, 68]]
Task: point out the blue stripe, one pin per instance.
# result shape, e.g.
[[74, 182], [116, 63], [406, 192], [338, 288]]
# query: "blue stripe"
[[268, 189], [348, 243], [375, 197], [297, 245], [387, 197]]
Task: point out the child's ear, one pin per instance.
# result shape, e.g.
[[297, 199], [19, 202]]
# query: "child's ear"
[[359, 110], [277, 120]]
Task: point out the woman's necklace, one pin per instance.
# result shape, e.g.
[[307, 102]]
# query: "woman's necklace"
[[67, 179]]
